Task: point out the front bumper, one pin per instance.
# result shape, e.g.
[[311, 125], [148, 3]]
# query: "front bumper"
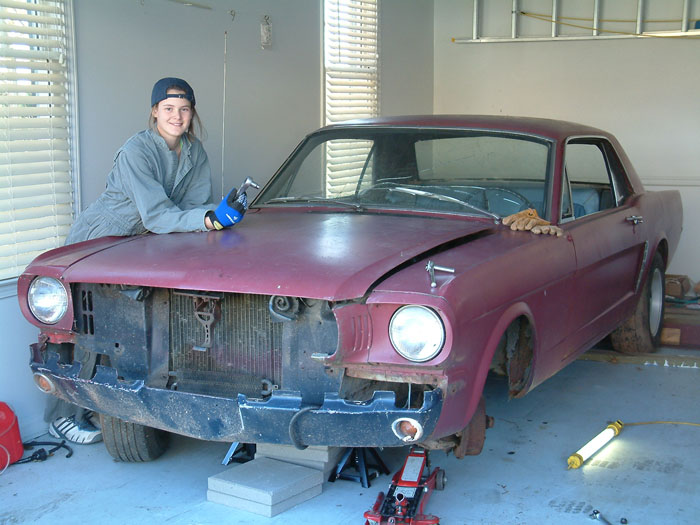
[[336, 422]]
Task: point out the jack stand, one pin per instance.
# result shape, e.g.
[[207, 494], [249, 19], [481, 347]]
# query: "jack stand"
[[244, 451], [357, 457], [408, 493]]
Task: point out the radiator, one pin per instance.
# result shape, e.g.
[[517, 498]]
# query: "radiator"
[[242, 353]]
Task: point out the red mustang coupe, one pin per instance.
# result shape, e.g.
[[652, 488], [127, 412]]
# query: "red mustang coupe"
[[367, 294]]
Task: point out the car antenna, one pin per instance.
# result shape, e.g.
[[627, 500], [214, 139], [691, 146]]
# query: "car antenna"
[[223, 108]]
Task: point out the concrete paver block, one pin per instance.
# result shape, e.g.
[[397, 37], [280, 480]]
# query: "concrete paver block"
[[312, 453], [279, 452], [265, 480], [261, 508]]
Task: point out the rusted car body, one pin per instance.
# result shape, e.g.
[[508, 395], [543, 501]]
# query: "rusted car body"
[[370, 289]]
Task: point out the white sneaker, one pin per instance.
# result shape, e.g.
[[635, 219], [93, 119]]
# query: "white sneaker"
[[80, 433]]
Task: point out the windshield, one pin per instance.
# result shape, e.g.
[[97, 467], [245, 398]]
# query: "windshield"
[[467, 172]]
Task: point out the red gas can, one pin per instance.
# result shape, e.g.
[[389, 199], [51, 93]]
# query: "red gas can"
[[11, 448]]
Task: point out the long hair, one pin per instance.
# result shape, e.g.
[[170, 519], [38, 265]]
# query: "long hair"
[[196, 129]]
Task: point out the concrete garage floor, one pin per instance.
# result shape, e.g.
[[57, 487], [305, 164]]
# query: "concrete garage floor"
[[649, 474]]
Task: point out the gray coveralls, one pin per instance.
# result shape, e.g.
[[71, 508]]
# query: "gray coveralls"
[[150, 189]]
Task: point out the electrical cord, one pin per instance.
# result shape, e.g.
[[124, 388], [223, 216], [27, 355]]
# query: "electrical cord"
[[42, 454], [676, 300], [662, 423], [292, 435]]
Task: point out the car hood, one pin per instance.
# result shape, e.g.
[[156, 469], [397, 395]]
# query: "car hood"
[[324, 255]]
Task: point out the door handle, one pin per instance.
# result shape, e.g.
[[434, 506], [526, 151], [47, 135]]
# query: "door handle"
[[635, 219]]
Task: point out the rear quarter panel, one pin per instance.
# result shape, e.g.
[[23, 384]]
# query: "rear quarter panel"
[[663, 217]]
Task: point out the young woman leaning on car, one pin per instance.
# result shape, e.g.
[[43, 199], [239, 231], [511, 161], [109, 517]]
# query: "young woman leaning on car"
[[160, 182]]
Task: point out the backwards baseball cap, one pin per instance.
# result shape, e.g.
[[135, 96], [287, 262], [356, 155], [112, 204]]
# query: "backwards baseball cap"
[[160, 90]]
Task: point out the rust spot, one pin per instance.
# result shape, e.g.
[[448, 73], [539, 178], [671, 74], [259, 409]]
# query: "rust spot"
[[471, 438], [519, 356], [395, 376], [57, 337]]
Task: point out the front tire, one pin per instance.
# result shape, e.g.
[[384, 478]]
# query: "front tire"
[[131, 442], [641, 332]]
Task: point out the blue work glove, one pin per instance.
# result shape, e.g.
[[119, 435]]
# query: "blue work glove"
[[229, 211]]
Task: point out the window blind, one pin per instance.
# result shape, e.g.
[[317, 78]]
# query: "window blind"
[[351, 61], [36, 195]]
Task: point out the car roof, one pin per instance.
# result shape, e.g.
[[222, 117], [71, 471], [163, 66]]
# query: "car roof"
[[550, 128]]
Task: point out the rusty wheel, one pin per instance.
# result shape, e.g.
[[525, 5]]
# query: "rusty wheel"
[[641, 332]]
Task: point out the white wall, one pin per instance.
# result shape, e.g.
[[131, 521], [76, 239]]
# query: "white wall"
[[645, 91], [273, 98], [406, 64]]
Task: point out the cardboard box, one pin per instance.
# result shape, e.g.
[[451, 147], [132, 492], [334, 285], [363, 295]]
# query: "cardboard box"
[[671, 336], [677, 285]]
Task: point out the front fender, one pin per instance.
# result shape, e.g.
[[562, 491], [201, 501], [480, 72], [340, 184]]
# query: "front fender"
[[466, 383], [505, 319]]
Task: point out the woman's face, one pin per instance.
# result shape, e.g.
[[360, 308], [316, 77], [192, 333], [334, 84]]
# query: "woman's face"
[[173, 116]]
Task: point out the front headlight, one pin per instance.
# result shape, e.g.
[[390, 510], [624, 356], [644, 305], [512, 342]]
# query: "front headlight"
[[48, 299], [417, 333]]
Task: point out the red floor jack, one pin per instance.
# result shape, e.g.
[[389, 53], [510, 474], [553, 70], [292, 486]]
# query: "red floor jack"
[[408, 494]]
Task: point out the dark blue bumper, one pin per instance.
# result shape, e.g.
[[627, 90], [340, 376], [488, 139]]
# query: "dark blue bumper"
[[335, 423]]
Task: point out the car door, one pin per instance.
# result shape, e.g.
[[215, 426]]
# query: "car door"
[[601, 218]]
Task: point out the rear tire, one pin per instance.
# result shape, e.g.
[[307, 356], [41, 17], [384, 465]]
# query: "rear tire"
[[131, 442], [641, 332]]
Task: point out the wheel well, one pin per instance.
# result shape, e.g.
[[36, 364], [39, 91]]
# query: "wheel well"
[[514, 354], [662, 248]]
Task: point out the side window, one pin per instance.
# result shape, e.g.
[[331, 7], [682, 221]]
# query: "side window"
[[589, 178], [567, 209], [621, 183]]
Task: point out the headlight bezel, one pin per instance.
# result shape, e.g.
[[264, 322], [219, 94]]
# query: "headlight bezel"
[[57, 310], [431, 349]]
